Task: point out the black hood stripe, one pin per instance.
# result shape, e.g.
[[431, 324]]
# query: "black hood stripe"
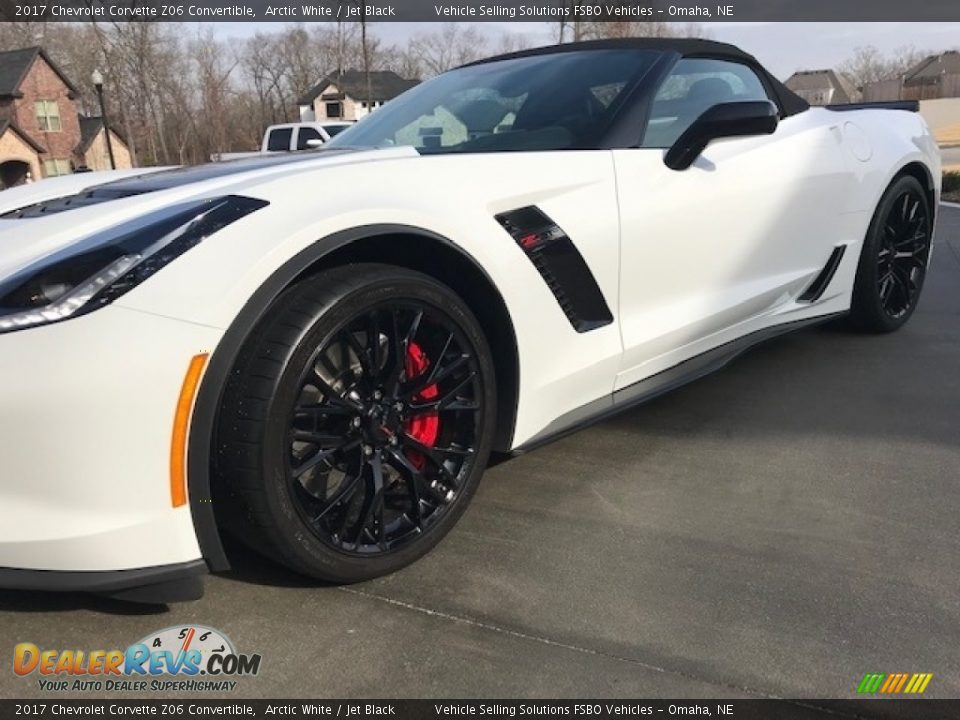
[[164, 180]]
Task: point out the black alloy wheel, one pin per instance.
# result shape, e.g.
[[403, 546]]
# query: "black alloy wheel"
[[893, 264], [385, 428], [377, 395]]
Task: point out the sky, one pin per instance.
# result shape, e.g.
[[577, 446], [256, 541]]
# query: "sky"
[[782, 47]]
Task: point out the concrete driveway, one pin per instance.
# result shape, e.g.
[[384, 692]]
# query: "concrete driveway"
[[777, 529]]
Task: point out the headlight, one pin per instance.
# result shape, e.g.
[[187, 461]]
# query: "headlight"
[[101, 268]]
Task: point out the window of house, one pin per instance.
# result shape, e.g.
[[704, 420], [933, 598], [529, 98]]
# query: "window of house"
[[692, 87], [334, 109], [48, 115], [56, 167]]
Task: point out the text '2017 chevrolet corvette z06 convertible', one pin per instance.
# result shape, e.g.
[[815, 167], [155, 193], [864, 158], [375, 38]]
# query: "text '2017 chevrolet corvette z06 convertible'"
[[318, 351]]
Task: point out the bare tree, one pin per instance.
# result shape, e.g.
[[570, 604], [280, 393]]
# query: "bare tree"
[[630, 28], [576, 30], [447, 48], [509, 42], [365, 49], [404, 61], [867, 64], [15, 35]]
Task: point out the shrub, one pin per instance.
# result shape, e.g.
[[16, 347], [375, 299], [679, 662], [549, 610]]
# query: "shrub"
[[951, 182]]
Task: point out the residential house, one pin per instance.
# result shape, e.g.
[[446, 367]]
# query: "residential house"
[[93, 145], [42, 134], [346, 96], [823, 87], [936, 76]]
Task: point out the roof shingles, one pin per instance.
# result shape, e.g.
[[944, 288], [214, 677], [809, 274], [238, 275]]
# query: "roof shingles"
[[945, 63], [14, 65], [384, 85]]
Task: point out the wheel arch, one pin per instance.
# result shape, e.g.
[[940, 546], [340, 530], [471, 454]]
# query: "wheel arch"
[[405, 246], [921, 172]]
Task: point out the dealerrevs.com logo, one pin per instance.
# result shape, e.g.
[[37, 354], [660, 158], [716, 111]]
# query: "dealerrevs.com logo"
[[192, 658]]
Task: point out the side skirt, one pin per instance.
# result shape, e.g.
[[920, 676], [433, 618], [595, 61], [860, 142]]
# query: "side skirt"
[[663, 382]]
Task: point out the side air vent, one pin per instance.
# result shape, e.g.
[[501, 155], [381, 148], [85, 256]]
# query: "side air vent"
[[561, 266], [821, 281]]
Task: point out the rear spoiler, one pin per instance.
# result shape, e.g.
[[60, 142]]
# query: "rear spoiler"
[[908, 105]]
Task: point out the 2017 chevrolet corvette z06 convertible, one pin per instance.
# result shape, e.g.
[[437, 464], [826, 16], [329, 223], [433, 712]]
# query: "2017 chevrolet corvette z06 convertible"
[[318, 351]]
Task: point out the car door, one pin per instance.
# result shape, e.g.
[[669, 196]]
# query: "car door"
[[709, 252]]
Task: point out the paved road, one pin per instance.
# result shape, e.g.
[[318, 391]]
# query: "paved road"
[[777, 529]]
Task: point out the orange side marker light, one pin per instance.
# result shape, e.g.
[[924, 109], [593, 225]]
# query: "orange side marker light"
[[181, 430]]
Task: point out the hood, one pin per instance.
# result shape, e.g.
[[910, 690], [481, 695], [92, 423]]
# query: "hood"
[[66, 185], [41, 199], [42, 218]]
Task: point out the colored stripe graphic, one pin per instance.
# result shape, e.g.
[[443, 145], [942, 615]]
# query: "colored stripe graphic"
[[871, 682], [919, 683], [894, 683], [890, 682]]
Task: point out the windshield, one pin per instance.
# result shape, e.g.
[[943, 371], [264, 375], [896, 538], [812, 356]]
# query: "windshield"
[[557, 101], [332, 130]]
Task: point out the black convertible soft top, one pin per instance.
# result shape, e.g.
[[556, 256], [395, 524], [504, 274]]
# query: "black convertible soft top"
[[790, 103]]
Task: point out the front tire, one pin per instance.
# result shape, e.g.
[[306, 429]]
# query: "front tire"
[[357, 423], [893, 263]]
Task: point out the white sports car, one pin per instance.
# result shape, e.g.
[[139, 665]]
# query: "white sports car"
[[319, 351]]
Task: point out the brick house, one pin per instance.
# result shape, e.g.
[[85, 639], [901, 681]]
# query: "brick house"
[[344, 96], [42, 134]]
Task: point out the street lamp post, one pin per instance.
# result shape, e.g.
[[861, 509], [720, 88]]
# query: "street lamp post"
[[97, 79]]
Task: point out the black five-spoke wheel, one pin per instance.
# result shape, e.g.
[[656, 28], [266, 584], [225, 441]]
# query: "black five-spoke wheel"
[[894, 260], [357, 424]]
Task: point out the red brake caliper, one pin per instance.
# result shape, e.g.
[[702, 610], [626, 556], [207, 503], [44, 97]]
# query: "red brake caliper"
[[424, 428]]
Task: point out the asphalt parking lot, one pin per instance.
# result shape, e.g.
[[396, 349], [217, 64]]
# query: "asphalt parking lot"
[[775, 530]]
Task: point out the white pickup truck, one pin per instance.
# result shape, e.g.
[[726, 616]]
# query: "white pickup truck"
[[290, 136]]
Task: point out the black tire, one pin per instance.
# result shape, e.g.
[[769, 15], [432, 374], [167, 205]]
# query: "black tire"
[[893, 262], [323, 380]]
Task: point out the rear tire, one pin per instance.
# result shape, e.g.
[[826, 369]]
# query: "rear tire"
[[893, 262], [356, 424]]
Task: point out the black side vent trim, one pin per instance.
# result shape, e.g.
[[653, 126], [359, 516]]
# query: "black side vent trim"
[[820, 283], [561, 266]]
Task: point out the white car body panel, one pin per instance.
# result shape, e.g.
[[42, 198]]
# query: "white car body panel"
[[106, 384], [98, 498], [553, 382], [755, 258]]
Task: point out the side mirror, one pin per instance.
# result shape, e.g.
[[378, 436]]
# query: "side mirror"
[[314, 143], [733, 119]]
